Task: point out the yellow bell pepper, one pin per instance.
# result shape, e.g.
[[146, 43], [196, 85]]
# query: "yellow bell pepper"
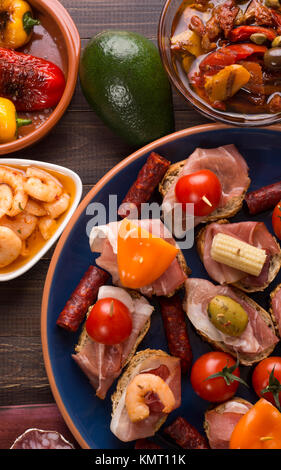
[[16, 23], [9, 122], [226, 82], [187, 41]]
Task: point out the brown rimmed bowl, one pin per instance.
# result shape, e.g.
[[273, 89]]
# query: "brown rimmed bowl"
[[238, 119], [56, 39]]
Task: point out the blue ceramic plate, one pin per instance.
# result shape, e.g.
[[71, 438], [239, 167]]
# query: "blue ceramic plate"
[[87, 416]]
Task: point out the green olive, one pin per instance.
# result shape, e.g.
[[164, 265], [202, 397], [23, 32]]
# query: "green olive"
[[272, 58], [227, 315], [258, 38]]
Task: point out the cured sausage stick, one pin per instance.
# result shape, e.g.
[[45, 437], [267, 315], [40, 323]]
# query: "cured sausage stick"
[[186, 435], [150, 175], [264, 198], [82, 298], [173, 317]]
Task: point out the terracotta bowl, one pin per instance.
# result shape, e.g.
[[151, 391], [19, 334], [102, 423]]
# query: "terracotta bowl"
[[55, 39]]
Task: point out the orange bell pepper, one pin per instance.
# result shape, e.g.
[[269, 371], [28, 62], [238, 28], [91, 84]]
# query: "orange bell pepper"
[[142, 258], [259, 428]]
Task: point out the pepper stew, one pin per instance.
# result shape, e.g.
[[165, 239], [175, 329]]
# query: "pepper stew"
[[229, 52]]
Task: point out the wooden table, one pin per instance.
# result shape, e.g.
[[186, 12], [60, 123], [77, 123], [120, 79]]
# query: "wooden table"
[[81, 142]]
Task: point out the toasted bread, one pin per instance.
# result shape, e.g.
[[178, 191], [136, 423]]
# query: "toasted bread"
[[229, 210], [244, 358], [84, 337], [129, 374], [275, 263], [277, 288], [220, 409]]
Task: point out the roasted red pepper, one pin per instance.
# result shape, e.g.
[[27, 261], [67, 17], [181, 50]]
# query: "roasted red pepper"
[[243, 33], [227, 55], [31, 83]]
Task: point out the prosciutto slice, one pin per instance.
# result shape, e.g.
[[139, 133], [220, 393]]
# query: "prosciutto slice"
[[168, 368], [257, 338], [229, 166], [276, 307], [221, 421], [254, 233], [102, 363], [103, 239]]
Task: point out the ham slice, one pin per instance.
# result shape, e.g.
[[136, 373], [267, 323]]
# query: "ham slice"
[[102, 363], [254, 233], [257, 338], [220, 422], [229, 166], [103, 239], [168, 368], [276, 307]]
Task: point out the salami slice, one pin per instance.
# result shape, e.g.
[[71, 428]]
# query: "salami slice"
[[186, 435], [82, 298], [264, 198], [173, 317], [38, 439], [147, 181]]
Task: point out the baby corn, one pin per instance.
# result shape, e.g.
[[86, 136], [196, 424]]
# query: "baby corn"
[[238, 254]]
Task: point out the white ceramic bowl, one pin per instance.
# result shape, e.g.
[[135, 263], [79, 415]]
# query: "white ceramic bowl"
[[78, 193]]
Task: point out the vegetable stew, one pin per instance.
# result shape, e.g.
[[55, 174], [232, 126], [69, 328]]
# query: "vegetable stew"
[[229, 53]]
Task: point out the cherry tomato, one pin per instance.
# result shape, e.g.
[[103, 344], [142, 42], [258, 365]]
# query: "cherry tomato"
[[109, 322], [276, 220], [201, 188], [266, 380], [224, 385]]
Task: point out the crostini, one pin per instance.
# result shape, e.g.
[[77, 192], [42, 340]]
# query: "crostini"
[[149, 389], [229, 320], [140, 255], [103, 363], [220, 420], [224, 163], [243, 254]]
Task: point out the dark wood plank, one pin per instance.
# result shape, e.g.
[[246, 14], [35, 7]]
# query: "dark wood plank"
[[81, 142]]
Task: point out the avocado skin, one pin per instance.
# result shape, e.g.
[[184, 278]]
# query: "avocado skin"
[[123, 80]]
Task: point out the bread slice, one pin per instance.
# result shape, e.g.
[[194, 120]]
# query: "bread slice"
[[244, 358], [128, 375], [220, 409], [229, 210], [277, 288], [84, 337], [275, 263]]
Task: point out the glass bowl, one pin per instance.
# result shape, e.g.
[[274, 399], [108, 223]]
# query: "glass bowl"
[[238, 119]]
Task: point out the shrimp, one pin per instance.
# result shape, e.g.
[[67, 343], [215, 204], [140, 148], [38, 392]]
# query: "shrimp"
[[55, 209], [23, 225], [139, 387], [10, 246], [15, 179], [47, 227], [35, 208], [6, 199], [41, 185]]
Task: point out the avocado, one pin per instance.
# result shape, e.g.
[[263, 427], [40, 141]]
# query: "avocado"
[[123, 80]]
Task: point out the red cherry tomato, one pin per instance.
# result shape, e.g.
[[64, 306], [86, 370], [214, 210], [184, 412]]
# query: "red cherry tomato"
[[266, 380], [202, 188], [276, 220], [109, 322], [215, 389]]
